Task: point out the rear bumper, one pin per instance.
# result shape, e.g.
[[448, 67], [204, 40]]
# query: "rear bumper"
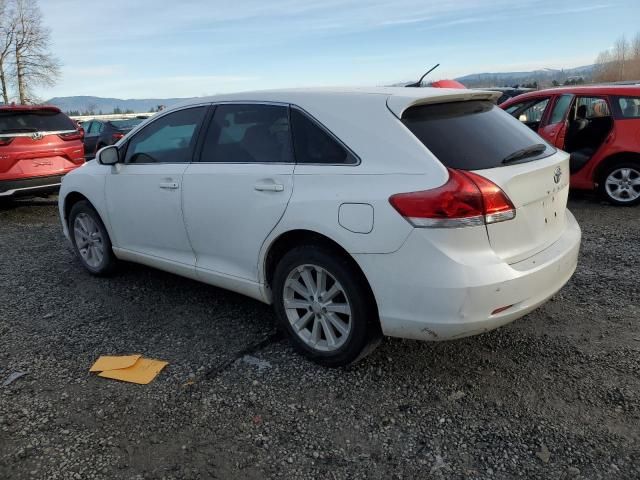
[[425, 293], [30, 186]]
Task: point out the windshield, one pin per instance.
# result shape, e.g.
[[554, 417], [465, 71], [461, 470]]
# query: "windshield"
[[34, 121], [474, 135], [126, 124]]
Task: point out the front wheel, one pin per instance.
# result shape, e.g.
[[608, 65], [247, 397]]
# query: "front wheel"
[[90, 239], [620, 184], [325, 306]]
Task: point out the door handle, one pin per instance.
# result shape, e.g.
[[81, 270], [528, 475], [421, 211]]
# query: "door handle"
[[269, 187], [169, 185]]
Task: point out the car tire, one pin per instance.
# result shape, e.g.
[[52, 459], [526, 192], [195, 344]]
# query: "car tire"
[[618, 183], [90, 240], [333, 331]]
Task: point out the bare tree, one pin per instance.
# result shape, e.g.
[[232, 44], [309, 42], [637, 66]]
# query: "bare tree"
[[621, 62], [7, 35], [33, 63]]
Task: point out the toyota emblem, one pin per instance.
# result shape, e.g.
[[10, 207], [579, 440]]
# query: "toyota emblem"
[[557, 175]]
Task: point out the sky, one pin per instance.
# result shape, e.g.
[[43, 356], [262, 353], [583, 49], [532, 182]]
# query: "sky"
[[183, 48]]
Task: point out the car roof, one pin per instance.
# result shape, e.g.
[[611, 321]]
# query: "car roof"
[[398, 99], [631, 90], [26, 108]]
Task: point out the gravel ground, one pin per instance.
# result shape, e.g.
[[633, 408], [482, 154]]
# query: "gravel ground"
[[554, 395]]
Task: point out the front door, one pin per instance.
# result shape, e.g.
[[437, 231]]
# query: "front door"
[[238, 191], [555, 128], [144, 192]]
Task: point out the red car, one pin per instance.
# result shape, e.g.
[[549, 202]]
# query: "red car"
[[599, 126], [38, 145]]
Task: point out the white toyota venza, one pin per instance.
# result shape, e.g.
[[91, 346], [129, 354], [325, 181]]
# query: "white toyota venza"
[[419, 213]]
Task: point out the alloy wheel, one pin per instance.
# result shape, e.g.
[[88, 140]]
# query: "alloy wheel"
[[88, 239], [623, 184], [317, 307]]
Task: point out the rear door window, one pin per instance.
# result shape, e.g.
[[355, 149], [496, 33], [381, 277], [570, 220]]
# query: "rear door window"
[[629, 107], [474, 135], [248, 133], [12, 121]]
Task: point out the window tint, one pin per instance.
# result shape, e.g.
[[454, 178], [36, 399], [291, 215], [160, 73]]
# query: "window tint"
[[313, 144], [12, 121], [594, 107], [248, 134], [629, 106], [560, 109], [471, 135], [170, 139]]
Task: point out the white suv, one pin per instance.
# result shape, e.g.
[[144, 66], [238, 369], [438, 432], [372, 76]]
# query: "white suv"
[[411, 212]]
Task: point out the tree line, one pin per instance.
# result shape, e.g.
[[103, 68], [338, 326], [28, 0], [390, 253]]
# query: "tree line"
[[620, 62], [25, 59]]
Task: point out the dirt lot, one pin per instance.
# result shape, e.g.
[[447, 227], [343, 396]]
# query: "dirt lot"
[[554, 395]]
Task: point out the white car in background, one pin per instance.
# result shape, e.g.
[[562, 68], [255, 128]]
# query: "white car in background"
[[419, 213]]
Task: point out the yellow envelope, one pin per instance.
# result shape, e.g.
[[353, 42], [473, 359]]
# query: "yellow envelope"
[[142, 372], [106, 362]]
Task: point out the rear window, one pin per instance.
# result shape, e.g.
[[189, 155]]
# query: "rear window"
[[473, 135], [34, 121]]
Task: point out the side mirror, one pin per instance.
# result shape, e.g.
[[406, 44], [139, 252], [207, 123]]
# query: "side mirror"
[[108, 155], [522, 118]]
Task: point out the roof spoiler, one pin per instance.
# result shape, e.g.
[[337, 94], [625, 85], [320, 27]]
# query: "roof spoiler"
[[398, 104]]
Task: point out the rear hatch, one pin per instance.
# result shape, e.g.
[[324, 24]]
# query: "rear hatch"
[[37, 142], [477, 136]]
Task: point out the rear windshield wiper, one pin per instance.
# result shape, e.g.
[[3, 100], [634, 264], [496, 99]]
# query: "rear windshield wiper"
[[19, 130], [531, 151]]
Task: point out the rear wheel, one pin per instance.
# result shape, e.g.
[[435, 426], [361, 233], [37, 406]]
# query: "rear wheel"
[[325, 306], [90, 239], [620, 183]]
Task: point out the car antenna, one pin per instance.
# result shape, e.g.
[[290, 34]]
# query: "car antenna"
[[419, 82]]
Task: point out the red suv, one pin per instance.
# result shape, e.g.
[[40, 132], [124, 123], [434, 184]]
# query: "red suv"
[[38, 145], [599, 126]]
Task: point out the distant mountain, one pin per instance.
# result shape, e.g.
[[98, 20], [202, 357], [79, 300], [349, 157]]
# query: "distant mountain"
[[542, 77], [108, 105]]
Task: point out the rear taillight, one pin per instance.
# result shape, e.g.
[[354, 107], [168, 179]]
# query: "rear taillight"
[[77, 135], [5, 141], [467, 199], [117, 136]]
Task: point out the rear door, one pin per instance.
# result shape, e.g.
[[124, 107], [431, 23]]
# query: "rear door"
[[238, 191], [91, 137], [478, 136]]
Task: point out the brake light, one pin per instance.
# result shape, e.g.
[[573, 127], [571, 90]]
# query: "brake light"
[[5, 141], [467, 199], [77, 135], [117, 136]]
